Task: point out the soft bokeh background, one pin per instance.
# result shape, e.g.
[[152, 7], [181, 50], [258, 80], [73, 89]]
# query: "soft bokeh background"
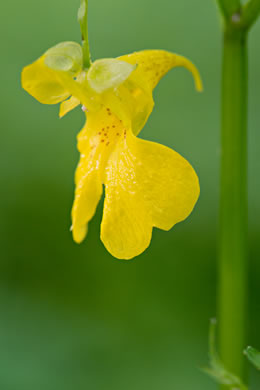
[[73, 317]]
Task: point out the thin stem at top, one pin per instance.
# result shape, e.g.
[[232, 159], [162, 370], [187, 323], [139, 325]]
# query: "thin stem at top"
[[83, 21]]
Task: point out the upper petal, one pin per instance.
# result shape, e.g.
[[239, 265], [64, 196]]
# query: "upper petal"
[[136, 91], [154, 64], [42, 83], [56, 75]]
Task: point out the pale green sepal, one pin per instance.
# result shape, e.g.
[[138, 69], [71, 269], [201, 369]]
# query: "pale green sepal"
[[217, 370], [108, 73], [66, 57], [253, 356]]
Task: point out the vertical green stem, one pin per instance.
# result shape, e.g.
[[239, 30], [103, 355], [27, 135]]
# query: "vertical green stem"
[[83, 21], [232, 304], [86, 53]]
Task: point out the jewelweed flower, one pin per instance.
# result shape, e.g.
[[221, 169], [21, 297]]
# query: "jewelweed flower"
[[146, 184]]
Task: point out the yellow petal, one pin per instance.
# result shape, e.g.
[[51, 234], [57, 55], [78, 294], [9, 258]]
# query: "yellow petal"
[[68, 105], [167, 181], [87, 179], [154, 64], [147, 185], [80, 91], [138, 102], [126, 228], [42, 83], [51, 86], [73, 101], [96, 141], [87, 195]]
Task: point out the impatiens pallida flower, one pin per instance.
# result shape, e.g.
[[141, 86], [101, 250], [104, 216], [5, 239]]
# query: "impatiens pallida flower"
[[146, 184]]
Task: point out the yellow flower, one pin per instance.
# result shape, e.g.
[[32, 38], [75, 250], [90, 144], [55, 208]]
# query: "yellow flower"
[[146, 184]]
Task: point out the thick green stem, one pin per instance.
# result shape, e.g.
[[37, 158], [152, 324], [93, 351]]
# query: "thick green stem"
[[232, 294]]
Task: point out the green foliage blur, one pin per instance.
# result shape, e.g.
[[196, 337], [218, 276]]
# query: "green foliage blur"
[[72, 316]]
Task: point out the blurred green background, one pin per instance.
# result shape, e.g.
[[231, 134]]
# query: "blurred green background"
[[73, 317]]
